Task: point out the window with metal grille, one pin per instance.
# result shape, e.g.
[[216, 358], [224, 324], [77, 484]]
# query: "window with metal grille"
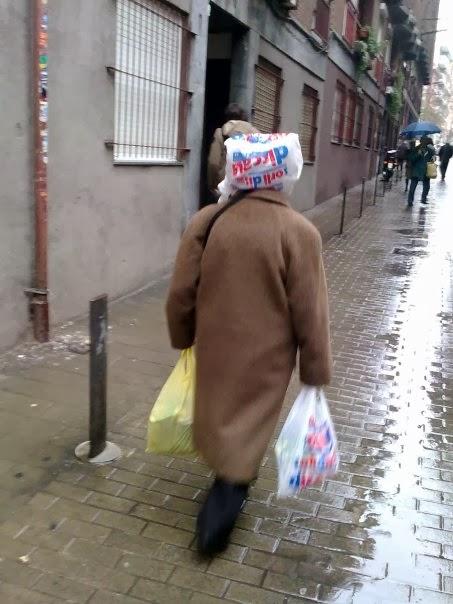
[[308, 127], [338, 118], [350, 118], [322, 18], [358, 123], [268, 84], [370, 133], [150, 82]]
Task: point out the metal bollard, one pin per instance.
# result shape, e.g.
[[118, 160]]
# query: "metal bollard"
[[375, 188], [343, 211], [98, 450], [98, 375], [362, 198]]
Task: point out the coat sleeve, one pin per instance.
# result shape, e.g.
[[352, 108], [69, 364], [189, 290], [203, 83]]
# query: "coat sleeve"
[[307, 297], [181, 300], [215, 161]]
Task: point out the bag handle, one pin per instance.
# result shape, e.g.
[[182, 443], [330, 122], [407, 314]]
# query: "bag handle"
[[237, 197]]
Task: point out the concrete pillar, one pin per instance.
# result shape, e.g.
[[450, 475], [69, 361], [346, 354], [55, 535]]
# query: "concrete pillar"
[[199, 20], [244, 59]]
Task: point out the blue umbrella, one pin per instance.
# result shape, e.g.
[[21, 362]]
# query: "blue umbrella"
[[420, 129]]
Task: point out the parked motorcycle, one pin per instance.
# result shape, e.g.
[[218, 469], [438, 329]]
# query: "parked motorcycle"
[[388, 166]]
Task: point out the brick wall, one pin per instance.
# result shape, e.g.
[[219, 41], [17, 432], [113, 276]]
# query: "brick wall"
[[304, 13]]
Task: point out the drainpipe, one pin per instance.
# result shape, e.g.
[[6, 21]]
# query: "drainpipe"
[[39, 292]]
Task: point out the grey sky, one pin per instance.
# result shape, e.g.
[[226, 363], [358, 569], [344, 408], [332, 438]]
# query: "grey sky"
[[445, 22]]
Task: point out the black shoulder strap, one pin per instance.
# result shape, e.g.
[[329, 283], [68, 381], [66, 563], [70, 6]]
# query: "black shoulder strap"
[[233, 201]]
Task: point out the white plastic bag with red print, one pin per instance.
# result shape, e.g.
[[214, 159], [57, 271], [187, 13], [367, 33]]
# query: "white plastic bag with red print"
[[306, 450], [261, 161]]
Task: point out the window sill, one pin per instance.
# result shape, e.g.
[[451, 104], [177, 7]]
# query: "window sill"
[[319, 38], [310, 162], [347, 44], [148, 164]]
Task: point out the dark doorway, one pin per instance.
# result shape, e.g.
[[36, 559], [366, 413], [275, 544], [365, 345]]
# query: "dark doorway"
[[224, 32], [366, 12], [218, 72]]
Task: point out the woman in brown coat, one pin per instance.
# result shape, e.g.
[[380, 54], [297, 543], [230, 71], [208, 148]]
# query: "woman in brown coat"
[[252, 298]]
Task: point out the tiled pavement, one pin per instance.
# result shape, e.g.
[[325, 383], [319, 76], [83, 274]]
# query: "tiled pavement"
[[381, 532]]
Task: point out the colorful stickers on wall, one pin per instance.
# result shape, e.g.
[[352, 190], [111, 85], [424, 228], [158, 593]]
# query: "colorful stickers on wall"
[[43, 81]]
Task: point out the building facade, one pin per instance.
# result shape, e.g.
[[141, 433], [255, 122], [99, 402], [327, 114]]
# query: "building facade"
[[132, 93], [438, 96]]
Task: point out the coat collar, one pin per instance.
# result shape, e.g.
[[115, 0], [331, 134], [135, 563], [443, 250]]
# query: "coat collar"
[[271, 196]]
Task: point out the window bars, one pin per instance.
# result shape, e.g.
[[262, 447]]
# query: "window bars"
[[268, 84], [151, 96], [308, 126]]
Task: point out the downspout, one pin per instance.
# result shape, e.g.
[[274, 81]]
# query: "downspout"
[[39, 292]]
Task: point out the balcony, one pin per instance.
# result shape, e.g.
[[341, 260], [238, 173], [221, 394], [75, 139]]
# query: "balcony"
[[322, 19], [351, 24]]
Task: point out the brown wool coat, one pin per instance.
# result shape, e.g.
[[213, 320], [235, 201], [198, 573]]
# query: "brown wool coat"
[[250, 300]]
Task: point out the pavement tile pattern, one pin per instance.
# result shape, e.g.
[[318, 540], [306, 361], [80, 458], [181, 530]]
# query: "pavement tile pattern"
[[380, 532]]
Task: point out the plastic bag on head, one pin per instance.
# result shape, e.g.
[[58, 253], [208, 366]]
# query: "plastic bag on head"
[[262, 161]]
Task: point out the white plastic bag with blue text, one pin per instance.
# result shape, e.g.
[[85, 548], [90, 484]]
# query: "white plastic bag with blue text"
[[307, 449], [262, 161]]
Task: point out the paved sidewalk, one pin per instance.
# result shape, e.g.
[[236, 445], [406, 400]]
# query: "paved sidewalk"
[[381, 532]]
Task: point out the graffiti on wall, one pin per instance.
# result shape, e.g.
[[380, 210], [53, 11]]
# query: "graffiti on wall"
[[43, 81]]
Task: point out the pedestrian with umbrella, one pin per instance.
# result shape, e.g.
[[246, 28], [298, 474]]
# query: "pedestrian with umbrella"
[[419, 158], [419, 129]]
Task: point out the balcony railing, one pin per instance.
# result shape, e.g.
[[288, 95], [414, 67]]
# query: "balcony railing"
[[351, 24]]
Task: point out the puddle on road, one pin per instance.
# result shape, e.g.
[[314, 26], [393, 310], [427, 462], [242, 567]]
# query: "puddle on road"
[[417, 394], [398, 269], [406, 251], [392, 514], [417, 232]]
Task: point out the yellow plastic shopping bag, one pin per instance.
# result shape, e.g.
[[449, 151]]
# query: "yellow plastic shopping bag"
[[431, 169], [170, 422]]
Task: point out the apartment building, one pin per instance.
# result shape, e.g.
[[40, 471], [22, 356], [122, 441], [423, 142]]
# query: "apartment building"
[[109, 108]]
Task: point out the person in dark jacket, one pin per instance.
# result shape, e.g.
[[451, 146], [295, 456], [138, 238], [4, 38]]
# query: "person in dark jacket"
[[408, 165], [445, 154], [418, 159], [401, 155]]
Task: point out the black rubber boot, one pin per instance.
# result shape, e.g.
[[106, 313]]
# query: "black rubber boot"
[[218, 516]]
